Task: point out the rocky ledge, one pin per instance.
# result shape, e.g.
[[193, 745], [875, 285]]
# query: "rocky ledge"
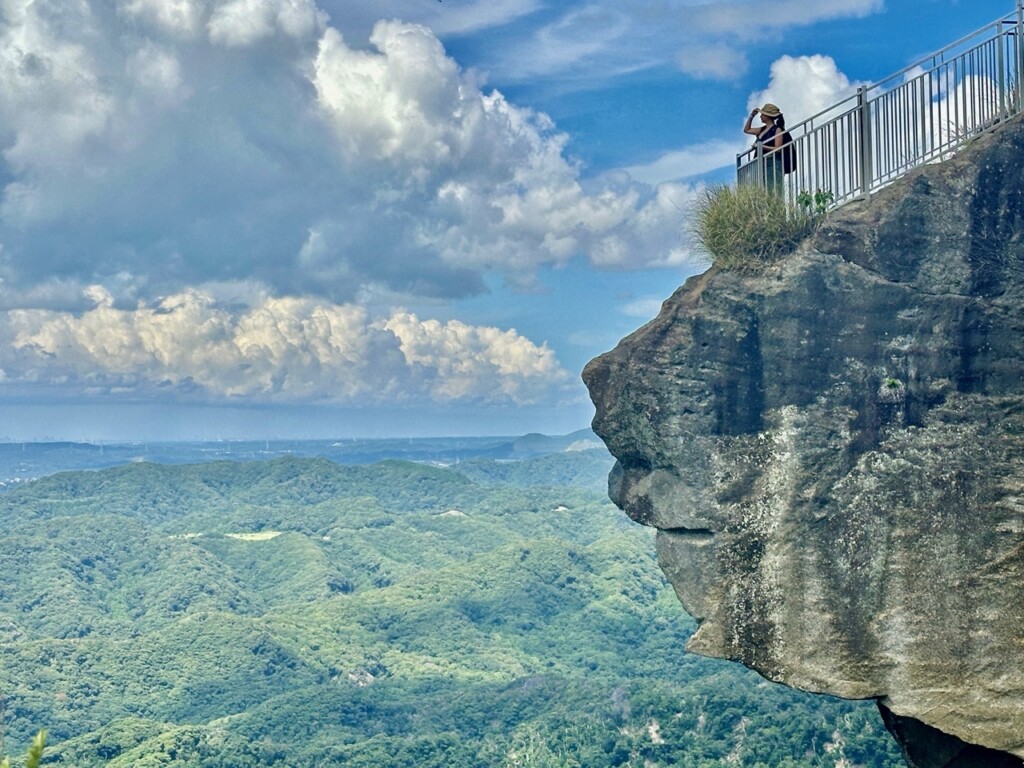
[[833, 453]]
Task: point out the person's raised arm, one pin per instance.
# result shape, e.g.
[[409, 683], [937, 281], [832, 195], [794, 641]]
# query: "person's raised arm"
[[747, 128]]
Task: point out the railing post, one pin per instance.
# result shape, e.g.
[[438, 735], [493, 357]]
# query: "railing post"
[[1019, 74], [864, 139], [762, 179], [1001, 71]]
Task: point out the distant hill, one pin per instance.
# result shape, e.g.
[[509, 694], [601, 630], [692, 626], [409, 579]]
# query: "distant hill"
[[297, 612], [534, 445], [577, 468], [22, 462]]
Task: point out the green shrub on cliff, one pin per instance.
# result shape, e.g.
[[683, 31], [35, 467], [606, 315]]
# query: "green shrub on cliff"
[[746, 228], [35, 752]]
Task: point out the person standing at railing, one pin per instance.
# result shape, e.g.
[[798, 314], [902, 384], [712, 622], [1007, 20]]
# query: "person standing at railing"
[[770, 135]]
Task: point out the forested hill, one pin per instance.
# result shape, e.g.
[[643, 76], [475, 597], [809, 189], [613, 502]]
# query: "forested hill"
[[296, 612]]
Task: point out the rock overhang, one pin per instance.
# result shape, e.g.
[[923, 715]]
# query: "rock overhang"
[[831, 451]]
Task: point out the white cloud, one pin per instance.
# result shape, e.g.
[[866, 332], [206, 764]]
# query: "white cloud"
[[444, 18], [228, 22], [493, 186], [643, 308], [245, 22], [280, 350], [465, 361], [51, 92], [582, 33], [404, 105], [476, 15], [182, 17], [802, 86], [715, 61], [689, 161], [748, 20], [600, 39], [243, 140], [156, 69]]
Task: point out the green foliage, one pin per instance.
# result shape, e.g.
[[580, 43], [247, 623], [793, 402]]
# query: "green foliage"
[[747, 228], [294, 612], [35, 752], [816, 204]]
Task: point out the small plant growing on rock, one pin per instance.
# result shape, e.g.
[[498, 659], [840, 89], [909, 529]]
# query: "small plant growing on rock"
[[818, 203], [892, 391], [748, 228]]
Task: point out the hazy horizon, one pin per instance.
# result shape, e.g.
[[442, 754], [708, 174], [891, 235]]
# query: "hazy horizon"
[[121, 423]]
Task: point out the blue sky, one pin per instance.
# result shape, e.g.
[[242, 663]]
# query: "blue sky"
[[288, 218]]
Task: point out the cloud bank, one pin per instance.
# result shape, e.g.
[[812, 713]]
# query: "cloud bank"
[[154, 145], [282, 350], [198, 197]]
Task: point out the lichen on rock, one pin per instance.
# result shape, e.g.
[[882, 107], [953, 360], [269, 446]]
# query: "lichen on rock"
[[833, 453]]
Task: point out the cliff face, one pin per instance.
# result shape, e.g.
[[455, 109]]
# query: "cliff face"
[[833, 453]]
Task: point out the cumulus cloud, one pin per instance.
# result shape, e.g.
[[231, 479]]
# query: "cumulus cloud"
[[151, 146], [281, 350], [495, 188], [182, 17], [229, 22], [245, 22], [803, 86]]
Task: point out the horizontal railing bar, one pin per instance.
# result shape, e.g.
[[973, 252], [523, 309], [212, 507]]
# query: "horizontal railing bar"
[[1009, 18], [965, 52]]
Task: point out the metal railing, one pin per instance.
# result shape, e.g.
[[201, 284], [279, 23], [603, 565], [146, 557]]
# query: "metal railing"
[[918, 115]]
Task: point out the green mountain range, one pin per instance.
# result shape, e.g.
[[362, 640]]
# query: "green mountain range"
[[297, 612]]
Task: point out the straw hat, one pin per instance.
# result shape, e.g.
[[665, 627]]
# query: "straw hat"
[[770, 110]]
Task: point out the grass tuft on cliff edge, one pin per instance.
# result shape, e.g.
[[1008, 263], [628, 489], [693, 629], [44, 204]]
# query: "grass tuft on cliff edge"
[[747, 228]]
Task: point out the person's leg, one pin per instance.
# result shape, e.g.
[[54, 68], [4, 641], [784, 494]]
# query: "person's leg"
[[774, 177]]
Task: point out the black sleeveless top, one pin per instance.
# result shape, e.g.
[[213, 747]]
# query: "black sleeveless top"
[[769, 135]]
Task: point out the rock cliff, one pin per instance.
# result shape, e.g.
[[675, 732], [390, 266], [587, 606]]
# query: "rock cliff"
[[833, 453]]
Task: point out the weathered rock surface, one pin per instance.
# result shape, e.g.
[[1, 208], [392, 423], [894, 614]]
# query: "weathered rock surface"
[[833, 453]]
